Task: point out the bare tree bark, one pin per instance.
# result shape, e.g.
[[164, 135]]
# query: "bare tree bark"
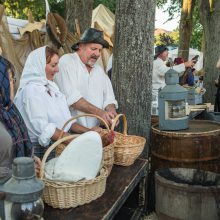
[[210, 17], [133, 63], [81, 10], [185, 28]]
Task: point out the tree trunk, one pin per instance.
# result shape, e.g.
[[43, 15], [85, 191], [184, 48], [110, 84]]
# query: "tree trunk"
[[185, 28], [210, 18], [133, 63], [81, 10]]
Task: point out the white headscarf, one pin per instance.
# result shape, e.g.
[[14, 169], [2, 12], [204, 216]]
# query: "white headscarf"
[[34, 71]]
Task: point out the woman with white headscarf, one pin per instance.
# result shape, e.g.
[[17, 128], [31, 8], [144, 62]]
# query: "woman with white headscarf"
[[42, 105]]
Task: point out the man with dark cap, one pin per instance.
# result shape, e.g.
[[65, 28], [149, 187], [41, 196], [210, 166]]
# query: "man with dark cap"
[[85, 84], [159, 70]]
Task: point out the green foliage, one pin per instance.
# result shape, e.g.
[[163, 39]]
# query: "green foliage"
[[173, 9], [161, 3], [196, 38], [19, 8], [110, 4], [175, 36], [57, 6], [165, 39]]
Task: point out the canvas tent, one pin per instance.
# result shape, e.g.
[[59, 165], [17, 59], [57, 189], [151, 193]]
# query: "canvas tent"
[[104, 20], [14, 25], [16, 46], [19, 37], [192, 53]]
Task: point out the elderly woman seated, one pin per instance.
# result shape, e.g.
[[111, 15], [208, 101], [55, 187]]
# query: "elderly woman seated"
[[40, 102], [14, 138]]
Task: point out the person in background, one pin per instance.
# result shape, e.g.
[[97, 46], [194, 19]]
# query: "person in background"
[[159, 70], [40, 102], [87, 88], [218, 64], [217, 96], [178, 60], [14, 138], [109, 67], [187, 78]]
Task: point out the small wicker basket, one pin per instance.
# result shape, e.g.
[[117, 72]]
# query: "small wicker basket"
[[127, 147], [66, 195], [108, 151]]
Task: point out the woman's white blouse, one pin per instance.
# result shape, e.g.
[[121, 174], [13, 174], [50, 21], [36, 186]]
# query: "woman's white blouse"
[[43, 111]]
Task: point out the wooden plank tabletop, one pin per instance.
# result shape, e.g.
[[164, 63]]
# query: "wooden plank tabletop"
[[120, 184]]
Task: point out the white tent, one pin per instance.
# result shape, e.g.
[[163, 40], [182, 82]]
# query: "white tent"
[[14, 25], [192, 52], [18, 26], [105, 19]]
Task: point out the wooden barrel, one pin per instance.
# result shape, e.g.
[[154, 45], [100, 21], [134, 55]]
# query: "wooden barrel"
[[190, 194], [196, 147]]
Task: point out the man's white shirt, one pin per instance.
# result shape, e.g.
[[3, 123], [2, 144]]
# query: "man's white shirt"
[[76, 82]]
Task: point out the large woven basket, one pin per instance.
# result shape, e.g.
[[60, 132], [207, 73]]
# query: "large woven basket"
[[127, 147], [108, 151], [66, 195]]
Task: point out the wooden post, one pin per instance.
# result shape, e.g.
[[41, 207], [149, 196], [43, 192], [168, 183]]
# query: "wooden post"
[[77, 27], [2, 10], [30, 16]]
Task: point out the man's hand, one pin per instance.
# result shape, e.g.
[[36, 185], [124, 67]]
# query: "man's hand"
[[85, 106], [111, 108], [189, 63], [107, 116]]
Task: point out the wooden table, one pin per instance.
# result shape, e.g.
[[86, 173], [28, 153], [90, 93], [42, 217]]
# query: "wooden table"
[[120, 184]]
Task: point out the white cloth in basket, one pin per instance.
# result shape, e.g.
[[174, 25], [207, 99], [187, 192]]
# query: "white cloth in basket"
[[81, 159]]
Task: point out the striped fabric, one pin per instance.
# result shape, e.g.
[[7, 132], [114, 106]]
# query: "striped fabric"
[[39, 151]]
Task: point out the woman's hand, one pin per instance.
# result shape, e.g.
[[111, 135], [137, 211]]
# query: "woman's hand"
[[66, 134], [97, 129]]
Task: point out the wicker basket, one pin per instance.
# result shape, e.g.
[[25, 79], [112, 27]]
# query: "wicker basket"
[[108, 151], [127, 147], [66, 195]]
